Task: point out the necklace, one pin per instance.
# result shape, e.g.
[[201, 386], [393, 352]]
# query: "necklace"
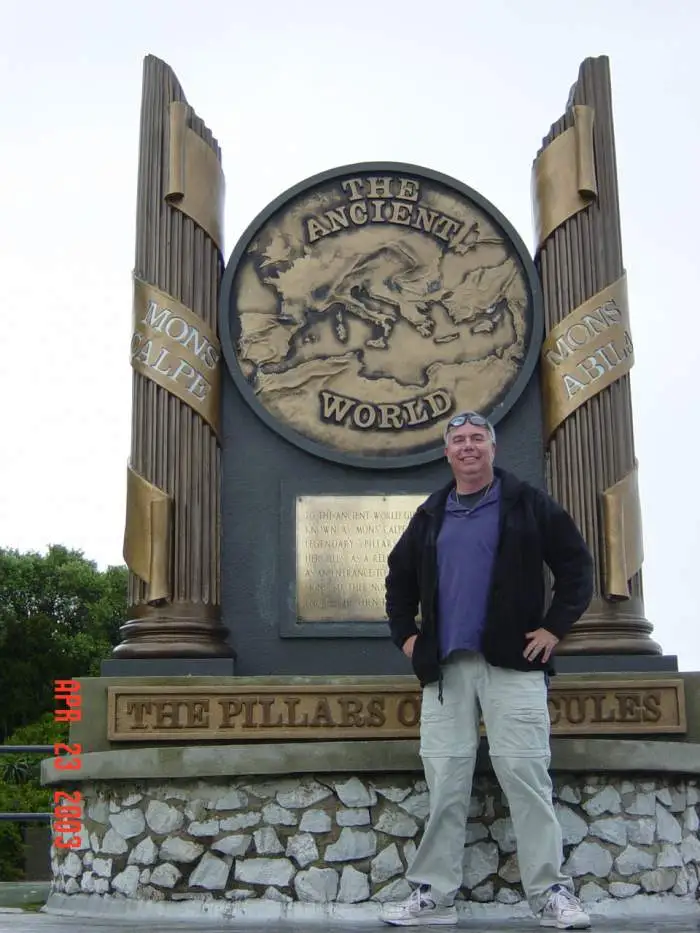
[[479, 500]]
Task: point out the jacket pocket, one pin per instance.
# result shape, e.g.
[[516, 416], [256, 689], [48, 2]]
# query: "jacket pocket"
[[425, 660]]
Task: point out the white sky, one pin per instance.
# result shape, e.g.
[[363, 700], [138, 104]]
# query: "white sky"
[[290, 89]]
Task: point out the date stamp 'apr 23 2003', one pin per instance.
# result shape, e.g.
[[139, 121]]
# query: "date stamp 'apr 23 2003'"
[[67, 813]]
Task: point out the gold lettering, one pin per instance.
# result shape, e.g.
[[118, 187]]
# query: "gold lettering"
[[351, 712], [390, 416], [161, 357], [591, 368], [448, 227], [574, 717], [439, 402], [629, 707], [165, 715], [652, 707], [613, 352], [554, 704], [315, 230], [376, 717], [199, 387], [333, 711], [598, 716], [197, 714], [183, 369], [364, 415], [595, 322], [322, 714], [184, 329], [153, 319], [211, 357], [335, 407], [572, 385], [555, 357], [138, 709], [379, 187], [611, 313], [425, 219], [200, 343], [249, 706], [337, 219], [354, 186], [408, 189], [291, 703], [230, 710], [408, 711], [377, 216], [358, 213], [144, 352], [266, 703], [400, 213], [416, 412], [581, 340]]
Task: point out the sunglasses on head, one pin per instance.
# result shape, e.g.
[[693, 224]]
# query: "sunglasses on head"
[[469, 417]]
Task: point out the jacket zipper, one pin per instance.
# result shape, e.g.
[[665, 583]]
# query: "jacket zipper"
[[432, 542]]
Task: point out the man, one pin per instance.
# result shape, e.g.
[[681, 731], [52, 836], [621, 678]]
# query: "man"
[[472, 560]]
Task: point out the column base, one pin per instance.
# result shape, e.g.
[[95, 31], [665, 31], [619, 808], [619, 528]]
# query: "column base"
[[611, 628], [173, 631]]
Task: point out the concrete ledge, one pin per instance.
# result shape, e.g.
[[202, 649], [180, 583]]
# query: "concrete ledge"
[[200, 761], [621, 755], [17, 893], [650, 907]]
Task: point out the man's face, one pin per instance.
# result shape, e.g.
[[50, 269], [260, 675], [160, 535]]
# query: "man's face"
[[470, 452]]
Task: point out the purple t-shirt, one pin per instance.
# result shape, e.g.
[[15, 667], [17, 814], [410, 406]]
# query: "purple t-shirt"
[[466, 548]]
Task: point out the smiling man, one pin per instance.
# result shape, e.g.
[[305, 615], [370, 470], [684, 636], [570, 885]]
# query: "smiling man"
[[472, 561]]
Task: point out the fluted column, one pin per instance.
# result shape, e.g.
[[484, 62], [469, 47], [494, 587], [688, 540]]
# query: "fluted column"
[[586, 362], [173, 508]]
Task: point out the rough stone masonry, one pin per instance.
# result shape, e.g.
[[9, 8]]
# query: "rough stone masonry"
[[330, 838]]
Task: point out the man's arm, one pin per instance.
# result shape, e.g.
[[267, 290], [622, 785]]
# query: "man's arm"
[[566, 554], [402, 587]]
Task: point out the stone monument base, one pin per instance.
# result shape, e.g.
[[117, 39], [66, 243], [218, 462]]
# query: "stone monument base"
[[325, 829]]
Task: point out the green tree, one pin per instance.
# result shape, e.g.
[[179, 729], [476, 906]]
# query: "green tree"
[[59, 617], [21, 790]]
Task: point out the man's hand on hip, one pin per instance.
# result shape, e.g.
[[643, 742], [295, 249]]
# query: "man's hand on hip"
[[407, 646], [540, 640]]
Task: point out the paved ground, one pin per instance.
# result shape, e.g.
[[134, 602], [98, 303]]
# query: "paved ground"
[[25, 922]]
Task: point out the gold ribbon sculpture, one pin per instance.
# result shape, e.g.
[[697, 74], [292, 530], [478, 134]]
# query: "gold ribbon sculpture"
[[147, 534], [589, 350], [564, 178], [195, 179]]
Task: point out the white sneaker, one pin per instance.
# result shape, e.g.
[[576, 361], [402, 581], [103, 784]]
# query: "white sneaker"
[[418, 910], [563, 910]]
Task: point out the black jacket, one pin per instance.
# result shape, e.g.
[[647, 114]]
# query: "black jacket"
[[533, 530]]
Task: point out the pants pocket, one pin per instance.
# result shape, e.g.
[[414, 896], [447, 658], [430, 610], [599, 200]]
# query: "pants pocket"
[[518, 731]]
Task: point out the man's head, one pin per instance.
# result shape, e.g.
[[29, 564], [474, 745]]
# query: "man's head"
[[470, 448]]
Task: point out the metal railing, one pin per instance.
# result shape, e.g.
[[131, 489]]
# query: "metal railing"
[[26, 817]]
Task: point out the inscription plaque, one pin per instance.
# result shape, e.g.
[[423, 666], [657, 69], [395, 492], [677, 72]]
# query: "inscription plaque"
[[379, 710], [342, 545]]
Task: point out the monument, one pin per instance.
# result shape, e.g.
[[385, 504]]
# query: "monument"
[[250, 749]]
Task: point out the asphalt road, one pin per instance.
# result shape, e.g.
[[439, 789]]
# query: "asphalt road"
[[28, 922]]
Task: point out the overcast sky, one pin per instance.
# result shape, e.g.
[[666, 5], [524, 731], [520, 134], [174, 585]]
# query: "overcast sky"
[[291, 89]]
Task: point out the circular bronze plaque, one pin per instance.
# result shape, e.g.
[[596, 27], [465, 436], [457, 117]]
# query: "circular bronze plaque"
[[367, 304]]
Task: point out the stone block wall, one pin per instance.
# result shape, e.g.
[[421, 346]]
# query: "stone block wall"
[[334, 838]]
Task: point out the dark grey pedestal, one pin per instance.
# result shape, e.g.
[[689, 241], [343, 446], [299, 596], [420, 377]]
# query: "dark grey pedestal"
[[616, 664], [167, 667]]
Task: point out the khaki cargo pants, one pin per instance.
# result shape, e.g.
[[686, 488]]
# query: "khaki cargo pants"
[[514, 709]]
